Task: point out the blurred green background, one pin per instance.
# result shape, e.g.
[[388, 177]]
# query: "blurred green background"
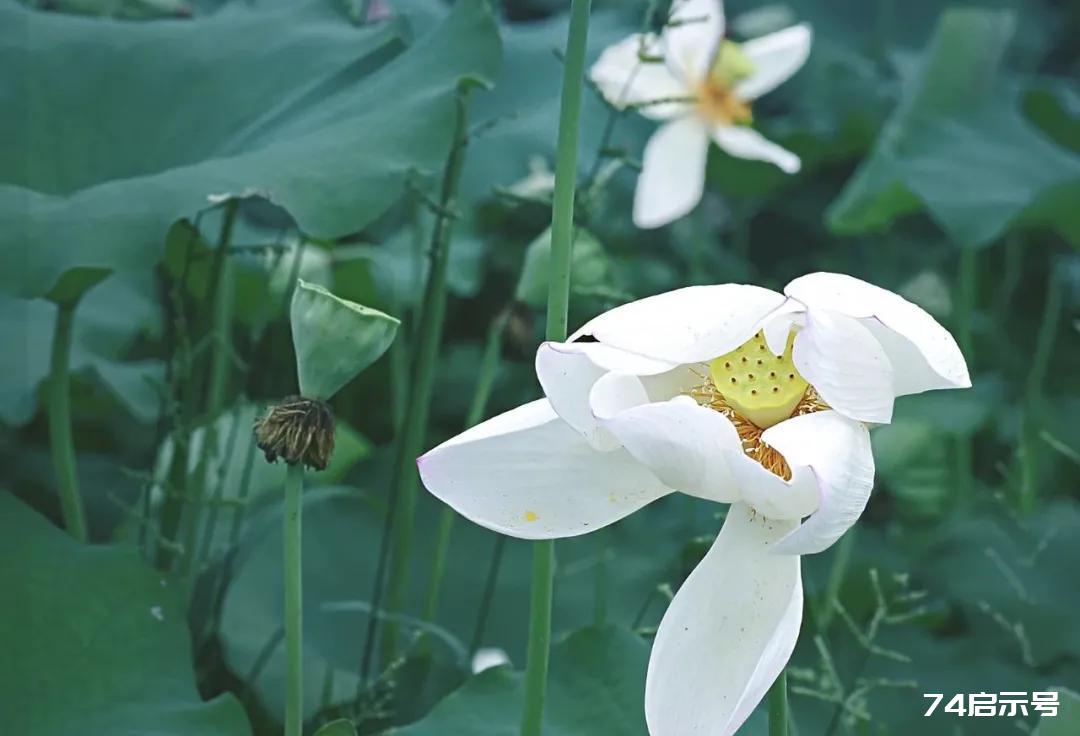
[[941, 159]]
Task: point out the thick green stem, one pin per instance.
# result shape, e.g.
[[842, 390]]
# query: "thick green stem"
[[489, 364], [1040, 364], [562, 237], [404, 484], [778, 706], [292, 573], [60, 437], [965, 308]]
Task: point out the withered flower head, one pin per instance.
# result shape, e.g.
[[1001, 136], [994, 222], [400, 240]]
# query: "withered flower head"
[[297, 430]]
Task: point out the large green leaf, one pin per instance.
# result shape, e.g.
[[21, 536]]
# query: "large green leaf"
[[162, 119], [959, 146], [94, 642], [108, 320], [597, 680]]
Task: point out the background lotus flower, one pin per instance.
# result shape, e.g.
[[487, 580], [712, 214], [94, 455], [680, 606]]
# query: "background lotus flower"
[[732, 393], [701, 86]]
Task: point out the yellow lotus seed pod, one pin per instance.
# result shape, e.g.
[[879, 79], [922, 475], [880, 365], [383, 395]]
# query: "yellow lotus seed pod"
[[762, 387]]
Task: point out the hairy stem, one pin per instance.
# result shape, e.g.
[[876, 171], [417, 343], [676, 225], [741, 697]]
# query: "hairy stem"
[[562, 237]]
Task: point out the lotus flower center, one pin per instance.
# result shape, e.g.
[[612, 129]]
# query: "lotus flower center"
[[716, 99], [760, 386]]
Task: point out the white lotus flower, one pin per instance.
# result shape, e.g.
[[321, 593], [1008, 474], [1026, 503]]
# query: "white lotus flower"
[[732, 393], [701, 86]]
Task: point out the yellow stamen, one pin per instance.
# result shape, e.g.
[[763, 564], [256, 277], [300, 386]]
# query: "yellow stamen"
[[716, 98]]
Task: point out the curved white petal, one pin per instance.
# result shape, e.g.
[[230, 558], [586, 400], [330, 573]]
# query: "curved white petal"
[[672, 173], [567, 377], [727, 634], [676, 382], [615, 393], [837, 450], [625, 80], [743, 142], [692, 36], [528, 474], [840, 357], [682, 443], [685, 326], [923, 353], [772, 496], [612, 358], [776, 57]]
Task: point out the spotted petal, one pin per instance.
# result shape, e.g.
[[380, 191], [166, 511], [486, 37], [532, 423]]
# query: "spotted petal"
[[529, 474], [923, 354], [727, 634]]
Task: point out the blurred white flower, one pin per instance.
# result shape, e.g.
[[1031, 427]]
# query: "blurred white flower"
[[731, 393], [488, 657], [701, 86]]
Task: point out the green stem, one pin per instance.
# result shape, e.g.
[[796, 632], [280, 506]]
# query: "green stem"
[[489, 593], [600, 600], [221, 296], [778, 706], [293, 586], [837, 573], [562, 236], [1040, 364], [60, 437], [429, 335], [489, 365], [966, 297]]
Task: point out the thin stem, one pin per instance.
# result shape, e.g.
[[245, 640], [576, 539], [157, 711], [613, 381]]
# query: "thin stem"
[[562, 236], [221, 296], [778, 706], [489, 593], [837, 572], [1040, 364], [489, 365], [402, 505], [293, 586], [600, 599], [60, 437], [965, 309]]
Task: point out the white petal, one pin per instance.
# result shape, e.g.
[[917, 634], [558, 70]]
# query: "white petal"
[[743, 142], [728, 633], [567, 377], [688, 325], [772, 496], [840, 357], [682, 443], [613, 359], [692, 37], [676, 382], [776, 57], [672, 173], [528, 474], [923, 353], [625, 80], [778, 324], [838, 451], [615, 393]]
